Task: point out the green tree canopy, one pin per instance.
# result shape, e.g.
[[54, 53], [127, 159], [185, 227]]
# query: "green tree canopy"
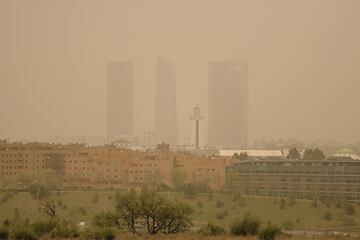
[[293, 154]]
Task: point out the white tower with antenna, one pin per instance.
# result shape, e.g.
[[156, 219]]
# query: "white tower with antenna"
[[196, 132]]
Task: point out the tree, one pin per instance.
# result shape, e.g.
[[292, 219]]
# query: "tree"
[[316, 154], [39, 191], [189, 190], [25, 180], [179, 177], [153, 213], [107, 220], [153, 210], [327, 216], [293, 154], [177, 217], [128, 208], [49, 207], [243, 156]]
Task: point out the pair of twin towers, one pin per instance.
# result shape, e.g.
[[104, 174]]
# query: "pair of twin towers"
[[227, 99]]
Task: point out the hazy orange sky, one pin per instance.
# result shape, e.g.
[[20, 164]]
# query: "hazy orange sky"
[[304, 62]]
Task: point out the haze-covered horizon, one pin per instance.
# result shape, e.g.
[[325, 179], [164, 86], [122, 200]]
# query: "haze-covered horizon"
[[303, 63]]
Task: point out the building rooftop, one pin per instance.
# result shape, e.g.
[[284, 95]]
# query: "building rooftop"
[[252, 153]]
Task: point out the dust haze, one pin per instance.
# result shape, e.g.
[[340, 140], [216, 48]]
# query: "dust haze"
[[303, 63]]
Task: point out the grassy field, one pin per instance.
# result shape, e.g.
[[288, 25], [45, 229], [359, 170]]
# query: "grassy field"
[[302, 215], [198, 237]]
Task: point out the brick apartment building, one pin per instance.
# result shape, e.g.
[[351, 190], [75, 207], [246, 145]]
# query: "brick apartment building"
[[105, 167]]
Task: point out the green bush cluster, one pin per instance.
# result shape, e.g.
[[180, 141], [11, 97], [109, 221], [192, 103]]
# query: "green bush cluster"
[[247, 225], [212, 230], [99, 234], [270, 232], [288, 225], [222, 214], [24, 230]]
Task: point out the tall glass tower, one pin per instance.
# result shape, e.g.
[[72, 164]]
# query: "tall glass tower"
[[120, 86], [228, 103], [165, 129]]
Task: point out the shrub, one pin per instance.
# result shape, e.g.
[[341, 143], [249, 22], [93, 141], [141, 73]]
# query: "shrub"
[[22, 233], [42, 227], [99, 234], [328, 216], [82, 210], [95, 198], [288, 225], [291, 201], [107, 220], [220, 215], [212, 230], [248, 225], [189, 191], [270, 232], [6, 223], [39, 191], [4, 233], [350, 210], [219, 204], [60, 202], [338, 204], [65, 229]]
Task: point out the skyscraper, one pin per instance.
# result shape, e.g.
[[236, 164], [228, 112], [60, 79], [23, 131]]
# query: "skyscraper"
[[165, 102], [228, 103], [120, 98]]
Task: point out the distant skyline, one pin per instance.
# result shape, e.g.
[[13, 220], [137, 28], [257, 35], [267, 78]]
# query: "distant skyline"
[[304, 76]]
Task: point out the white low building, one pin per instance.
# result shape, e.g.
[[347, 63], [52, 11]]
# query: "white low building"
[[346, 152], [253, 153]]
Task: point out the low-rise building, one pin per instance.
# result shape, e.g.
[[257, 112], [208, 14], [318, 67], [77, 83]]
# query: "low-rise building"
[[335, 178]]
